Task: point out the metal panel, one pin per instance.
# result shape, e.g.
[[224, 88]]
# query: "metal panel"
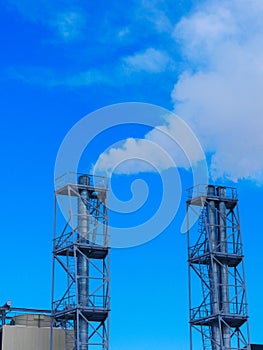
[[31, 338], [33, 320]]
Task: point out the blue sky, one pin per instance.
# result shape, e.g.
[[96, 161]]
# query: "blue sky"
[[61, 61]]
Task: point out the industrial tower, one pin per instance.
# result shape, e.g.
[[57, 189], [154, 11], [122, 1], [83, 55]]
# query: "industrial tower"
[[80, 292], [217, 288]]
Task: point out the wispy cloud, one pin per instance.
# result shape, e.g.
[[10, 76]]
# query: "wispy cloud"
[[150, 60], [123, 33], [155, 13], [107, 47], [50, 78], [221, 95], [69, 25], [67, 20]]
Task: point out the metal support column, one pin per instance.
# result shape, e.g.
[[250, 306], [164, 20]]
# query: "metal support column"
[[81, 276], [216, 271]]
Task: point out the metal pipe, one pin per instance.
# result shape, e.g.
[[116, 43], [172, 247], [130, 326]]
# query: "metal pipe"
[[189, 276], [53, 276], [82, 262], [224, 288], [213, 272]]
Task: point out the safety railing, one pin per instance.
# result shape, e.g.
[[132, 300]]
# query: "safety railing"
[[203, 248], [92, 301], [212, 191], [211, 309], [95, 181]]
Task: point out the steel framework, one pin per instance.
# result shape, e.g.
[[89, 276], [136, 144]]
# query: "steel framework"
[[217, 288], [81, 279], [8, 313]]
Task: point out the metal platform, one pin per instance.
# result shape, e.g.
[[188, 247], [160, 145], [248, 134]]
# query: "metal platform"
[[232, 320], [73, 190], [232, 260], [90, 250], [91, 314]]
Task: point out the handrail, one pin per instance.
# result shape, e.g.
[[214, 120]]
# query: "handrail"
[[224, 192], [206, 310]]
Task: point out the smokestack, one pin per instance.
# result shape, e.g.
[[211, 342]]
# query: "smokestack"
[[82, 262]]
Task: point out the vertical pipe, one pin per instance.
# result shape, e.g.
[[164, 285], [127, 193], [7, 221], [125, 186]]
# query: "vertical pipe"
[[244, 303], [82, 263], [223, 269], [213, 272], [53, 273], [189, 276], [3, 317], [106, 239]]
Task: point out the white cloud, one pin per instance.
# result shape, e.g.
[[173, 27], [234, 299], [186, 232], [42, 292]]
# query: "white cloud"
[[134, 156], [221, 97], [169, 145], [205, 29], [150, 60]]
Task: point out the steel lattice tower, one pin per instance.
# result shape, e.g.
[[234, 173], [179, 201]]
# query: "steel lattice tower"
[[80, 292], [217, 288]]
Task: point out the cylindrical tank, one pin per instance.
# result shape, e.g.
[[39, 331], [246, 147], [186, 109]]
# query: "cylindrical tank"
[[31, 320]]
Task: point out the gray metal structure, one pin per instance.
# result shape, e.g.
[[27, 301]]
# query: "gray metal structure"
[[27, 329], [217, 288], [8, 315], [81, 276]]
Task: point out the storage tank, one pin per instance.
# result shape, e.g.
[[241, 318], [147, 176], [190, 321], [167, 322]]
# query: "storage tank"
[[31, 320], [32, 338]]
